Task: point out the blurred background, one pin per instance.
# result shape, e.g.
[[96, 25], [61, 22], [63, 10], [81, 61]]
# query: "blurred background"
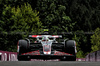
[[74, 19]]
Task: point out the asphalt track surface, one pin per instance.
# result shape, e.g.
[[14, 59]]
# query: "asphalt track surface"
[[48, 63]]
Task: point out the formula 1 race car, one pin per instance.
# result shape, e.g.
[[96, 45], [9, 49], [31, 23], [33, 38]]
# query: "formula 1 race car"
[[46, 47]]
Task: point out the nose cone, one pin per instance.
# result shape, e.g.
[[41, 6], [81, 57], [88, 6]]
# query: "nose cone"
[[47, 49], [47, 53]]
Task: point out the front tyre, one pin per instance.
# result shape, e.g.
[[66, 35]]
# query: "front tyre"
[[70, 47], [23, 48]]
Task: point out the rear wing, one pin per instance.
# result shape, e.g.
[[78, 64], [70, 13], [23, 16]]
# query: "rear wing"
[[51, 36]]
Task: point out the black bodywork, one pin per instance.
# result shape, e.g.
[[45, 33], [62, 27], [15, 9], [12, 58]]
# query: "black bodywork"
[[65, 51]]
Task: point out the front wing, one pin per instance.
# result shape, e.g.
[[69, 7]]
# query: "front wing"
[[38, 55]]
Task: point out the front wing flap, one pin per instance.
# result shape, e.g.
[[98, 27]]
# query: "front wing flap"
[[38, 53]]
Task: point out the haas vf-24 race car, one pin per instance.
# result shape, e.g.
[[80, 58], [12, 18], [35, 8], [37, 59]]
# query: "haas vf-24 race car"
[[46, 47]]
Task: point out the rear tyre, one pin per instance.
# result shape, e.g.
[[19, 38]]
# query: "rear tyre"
[[23, 48]]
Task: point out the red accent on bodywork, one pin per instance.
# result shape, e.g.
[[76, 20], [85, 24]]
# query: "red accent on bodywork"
[[35, 36], [61, 53], [32, 53], [56, 36]]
